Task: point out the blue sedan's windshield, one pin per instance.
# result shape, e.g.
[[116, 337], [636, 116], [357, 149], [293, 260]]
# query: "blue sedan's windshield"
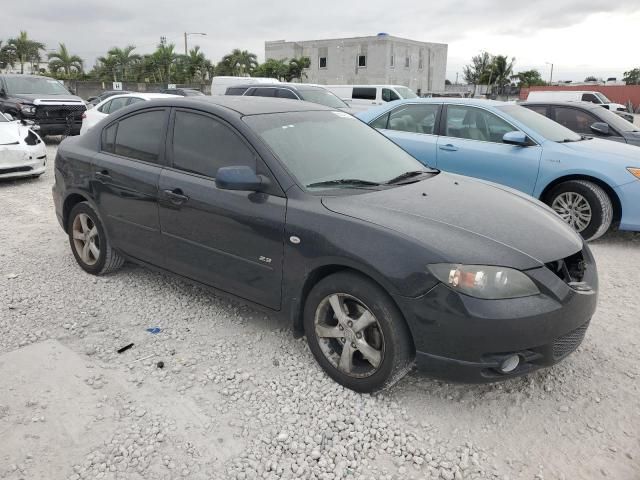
[[327, 146], [540, 124]]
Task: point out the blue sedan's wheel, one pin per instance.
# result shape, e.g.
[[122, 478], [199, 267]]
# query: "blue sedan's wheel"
[[585, 206], [356, 333]]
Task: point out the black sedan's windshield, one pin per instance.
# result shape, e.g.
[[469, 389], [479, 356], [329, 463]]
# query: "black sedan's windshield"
[[616, 121], [35, 85], [327, 149], [540, 124], [322, 97]]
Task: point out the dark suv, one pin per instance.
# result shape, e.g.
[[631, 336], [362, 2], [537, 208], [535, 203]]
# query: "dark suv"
[[292, 91], [588, 119], [42, 100]]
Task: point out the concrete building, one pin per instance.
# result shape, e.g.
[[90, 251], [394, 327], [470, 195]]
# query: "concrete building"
[[379, 59]]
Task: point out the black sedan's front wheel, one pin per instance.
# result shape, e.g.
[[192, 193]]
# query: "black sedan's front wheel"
[[356, 333]]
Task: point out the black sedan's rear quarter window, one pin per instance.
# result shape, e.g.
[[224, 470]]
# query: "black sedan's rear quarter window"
[[140, 136]]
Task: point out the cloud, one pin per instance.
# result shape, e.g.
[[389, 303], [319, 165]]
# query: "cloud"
[[89, 28]]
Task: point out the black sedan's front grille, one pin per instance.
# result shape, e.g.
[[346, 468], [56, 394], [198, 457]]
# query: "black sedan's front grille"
[[570, 269], [59, 113], [569, 342]]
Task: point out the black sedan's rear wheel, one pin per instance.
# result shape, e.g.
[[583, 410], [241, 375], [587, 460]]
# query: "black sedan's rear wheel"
[[356, 333], [89, 243], [584, 205]]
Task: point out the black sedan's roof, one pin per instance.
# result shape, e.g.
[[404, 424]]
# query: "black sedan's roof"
[[242, 105], [562, 103]]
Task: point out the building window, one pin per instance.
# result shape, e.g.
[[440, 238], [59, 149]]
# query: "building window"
[[407, 60], [362, 60], [323, 62], [393, 58], [420, 59]]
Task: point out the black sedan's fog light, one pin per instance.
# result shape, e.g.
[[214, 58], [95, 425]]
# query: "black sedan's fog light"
[[509, 364]]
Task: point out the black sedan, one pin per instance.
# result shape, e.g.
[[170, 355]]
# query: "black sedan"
[[589, 119], [309, 212], [183, 92]]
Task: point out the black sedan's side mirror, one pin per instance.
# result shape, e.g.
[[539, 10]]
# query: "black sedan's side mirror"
[[239, 178], [601, 128], [515, 138]]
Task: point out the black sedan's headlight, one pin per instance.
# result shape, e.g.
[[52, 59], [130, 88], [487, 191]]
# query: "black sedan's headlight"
[[483, 281], [28, 109]]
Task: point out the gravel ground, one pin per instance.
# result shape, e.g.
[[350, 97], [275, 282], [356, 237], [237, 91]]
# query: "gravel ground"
[[238, 397]]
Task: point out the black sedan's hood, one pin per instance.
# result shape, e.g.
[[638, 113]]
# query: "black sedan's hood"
[[462, 220]]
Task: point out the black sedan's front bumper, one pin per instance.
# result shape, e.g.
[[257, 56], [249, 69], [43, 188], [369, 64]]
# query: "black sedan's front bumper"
[[466, 339]]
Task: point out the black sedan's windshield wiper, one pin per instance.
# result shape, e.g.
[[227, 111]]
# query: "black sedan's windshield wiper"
[[343, 181], [405, 175]]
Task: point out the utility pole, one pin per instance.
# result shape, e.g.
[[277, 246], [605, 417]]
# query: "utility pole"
[[551, 74], [456, 78], [186, 34]]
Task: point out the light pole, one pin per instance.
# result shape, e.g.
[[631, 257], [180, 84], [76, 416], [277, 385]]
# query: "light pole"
[[186, 34], [551, 74]]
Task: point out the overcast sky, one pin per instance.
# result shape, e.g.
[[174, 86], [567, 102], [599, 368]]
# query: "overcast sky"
[[581, 37]]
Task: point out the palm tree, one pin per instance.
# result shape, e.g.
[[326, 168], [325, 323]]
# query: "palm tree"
[[106, 68], [196, 64], [62, 60], [240, 62], [164, 58], [7, 56], [24, 49], [296, 68], [502, 70], [123, 58]]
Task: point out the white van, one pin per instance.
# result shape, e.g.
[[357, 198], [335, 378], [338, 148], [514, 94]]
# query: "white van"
[[363, 97], [575, 96], [220, 84]]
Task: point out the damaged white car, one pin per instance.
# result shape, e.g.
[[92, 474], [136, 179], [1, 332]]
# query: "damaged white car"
[[22, 151]]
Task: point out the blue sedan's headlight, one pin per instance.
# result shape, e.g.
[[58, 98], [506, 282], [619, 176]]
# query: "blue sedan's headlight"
[[482, 281]]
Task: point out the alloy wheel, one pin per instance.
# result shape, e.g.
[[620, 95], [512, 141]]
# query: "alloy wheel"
[[574, 209], [86, 239], [349, 335]]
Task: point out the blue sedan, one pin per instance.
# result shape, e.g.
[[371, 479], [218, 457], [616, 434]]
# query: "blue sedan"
[[590, 183]]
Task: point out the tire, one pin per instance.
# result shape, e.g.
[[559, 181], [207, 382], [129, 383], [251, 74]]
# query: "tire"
[[387, 334], [106, 260], [599, 206]]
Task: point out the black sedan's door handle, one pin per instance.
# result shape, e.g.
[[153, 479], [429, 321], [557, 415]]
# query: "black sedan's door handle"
[[176, 196], [103, 176]]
